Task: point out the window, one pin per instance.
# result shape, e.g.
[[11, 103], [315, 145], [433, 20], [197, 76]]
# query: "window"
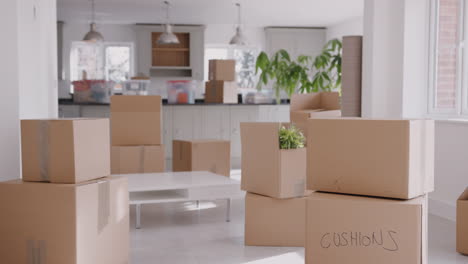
[[245, 62], [107, 61], [449, 87]]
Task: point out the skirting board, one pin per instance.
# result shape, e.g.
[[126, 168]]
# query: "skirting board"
[[442, 209]]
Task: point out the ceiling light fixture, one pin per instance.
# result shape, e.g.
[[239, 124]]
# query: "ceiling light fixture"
[[239, 38], [167, 37], [93, 35]]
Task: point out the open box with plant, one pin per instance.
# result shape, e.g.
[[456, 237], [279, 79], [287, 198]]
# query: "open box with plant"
[[273, 160]]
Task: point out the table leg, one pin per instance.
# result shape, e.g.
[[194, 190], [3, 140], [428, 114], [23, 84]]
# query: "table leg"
[[138, 216], [228, 210]]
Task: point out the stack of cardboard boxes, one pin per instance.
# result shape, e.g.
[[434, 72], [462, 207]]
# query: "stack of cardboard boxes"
[[67, 208], [221, 87], [275, 180], [136, 134], [371, 178]]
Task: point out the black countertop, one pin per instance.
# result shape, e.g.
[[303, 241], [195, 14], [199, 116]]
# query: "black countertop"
[[198, 102]]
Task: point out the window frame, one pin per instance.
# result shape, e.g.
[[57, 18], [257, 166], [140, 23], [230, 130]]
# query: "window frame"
[[461, 90]]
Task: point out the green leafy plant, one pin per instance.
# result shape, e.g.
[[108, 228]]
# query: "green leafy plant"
[[306, 74], [290, 138]]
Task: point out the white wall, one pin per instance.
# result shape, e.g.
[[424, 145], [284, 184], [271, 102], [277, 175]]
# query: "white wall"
[[28, 73], [37, 44], [9, 108], [349, 27]]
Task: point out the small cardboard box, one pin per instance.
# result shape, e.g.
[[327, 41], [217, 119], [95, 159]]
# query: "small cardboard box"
[[361, 230], [137, 159], [306, 106], [202, 155], [222, 70], [274, 222], [267, 169], [462, 223], [386, 158], [65, 223], [65, 150], [221, 92], [135, 120]]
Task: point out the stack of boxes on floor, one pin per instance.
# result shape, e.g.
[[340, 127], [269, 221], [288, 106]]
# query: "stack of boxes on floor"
[[275, 181], [136, 134], [67, 208], [221, 87], [382, 170]]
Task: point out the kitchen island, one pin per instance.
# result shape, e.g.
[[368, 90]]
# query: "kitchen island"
[[196, 121]]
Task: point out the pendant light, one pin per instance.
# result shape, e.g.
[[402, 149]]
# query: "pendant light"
[[239, 38], [167, 37], [93, 35]]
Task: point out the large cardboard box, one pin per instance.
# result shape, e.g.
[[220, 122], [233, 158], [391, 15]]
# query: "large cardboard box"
[[387, 158], [65, 150], [222, 70], [267, 169], [65, 223], [274, 222], [137, 159], [135, 120], [221, 92], [462, 223], [362, 230], [202, 155], [312, 105]]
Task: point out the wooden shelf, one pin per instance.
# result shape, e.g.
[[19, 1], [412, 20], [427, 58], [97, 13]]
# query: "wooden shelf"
[[171, 55], [171, 49]]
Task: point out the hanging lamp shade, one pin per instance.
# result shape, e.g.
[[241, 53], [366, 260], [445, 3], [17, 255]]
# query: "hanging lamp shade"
[[93, 35], [239, 37], [168, 36]]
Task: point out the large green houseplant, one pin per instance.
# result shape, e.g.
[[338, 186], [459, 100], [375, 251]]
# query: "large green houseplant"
[[305, 74]]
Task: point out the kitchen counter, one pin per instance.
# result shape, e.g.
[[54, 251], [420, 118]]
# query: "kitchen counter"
[[198, 102]]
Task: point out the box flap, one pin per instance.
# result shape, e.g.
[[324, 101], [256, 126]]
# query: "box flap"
[[305, 101], [136, 103]]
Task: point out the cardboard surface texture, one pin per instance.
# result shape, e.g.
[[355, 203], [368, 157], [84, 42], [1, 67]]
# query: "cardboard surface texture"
[[135, 120], [221, 92], [267, 169], [306, 106], [222, 70], [357, 230], [137, 159], [202, 155], [45, 223], [65, 150], [274, 222], [386, 158], [462, 223]]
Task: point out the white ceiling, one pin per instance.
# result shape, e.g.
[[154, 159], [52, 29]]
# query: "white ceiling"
[[255, 12]]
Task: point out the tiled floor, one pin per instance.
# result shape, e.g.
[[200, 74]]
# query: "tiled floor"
[[179, 233]]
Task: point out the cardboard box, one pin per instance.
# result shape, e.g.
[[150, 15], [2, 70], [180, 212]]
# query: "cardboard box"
[[65, 223], [267, 169], [312, 105], [222, 70], [65, 150], [135, 120], [274, 222], [462, 223], [360, 230], [202, 155], [387, 158], [137, 159], [221, 92]]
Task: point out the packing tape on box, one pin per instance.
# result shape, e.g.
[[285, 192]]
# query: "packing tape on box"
[[43, 151], [142, 159], [103, 204], [36, 251]]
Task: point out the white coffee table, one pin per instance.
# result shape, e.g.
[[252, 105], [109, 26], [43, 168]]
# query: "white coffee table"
[[168, 187]]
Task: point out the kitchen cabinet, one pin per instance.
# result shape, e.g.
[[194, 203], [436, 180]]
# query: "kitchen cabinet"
[[183, 60], [296, 41], [187, 122], [238, 115], [216, 122], [167, 130]]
